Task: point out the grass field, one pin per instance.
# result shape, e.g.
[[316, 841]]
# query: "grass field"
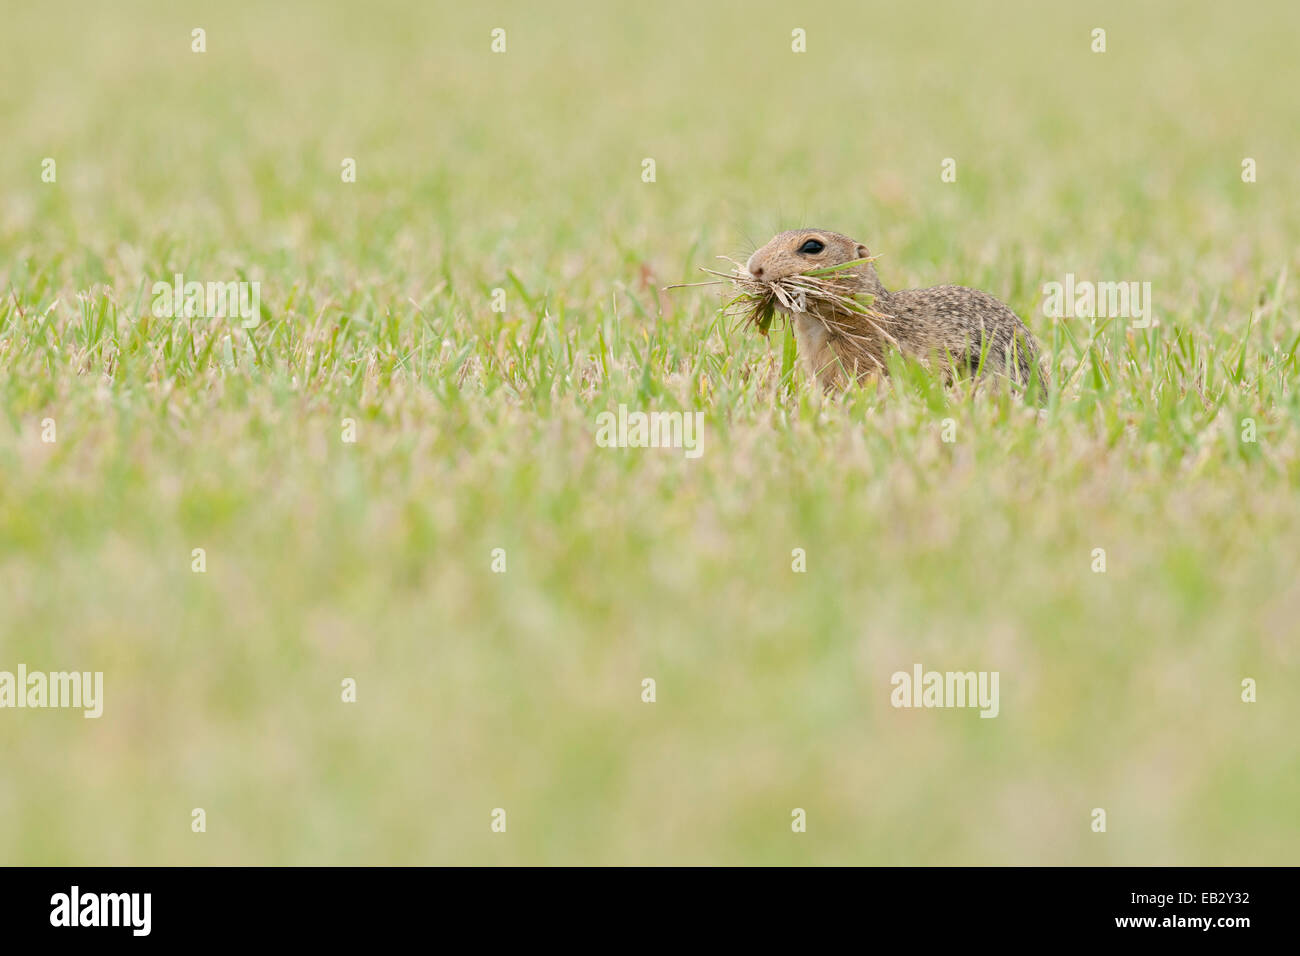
[[522, 172]]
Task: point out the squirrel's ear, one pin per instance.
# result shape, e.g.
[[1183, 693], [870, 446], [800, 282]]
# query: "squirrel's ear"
[[862, 251]]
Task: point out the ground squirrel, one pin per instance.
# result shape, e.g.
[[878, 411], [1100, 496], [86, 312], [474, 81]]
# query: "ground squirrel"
[[960, 330]]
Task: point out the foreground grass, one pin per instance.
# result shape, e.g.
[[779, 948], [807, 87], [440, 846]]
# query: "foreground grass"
[[522, 690]]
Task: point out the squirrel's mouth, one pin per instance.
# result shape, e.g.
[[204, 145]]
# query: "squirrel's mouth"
[[826, 293]]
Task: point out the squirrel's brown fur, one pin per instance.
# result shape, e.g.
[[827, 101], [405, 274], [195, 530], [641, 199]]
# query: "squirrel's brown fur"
[[961, 330]]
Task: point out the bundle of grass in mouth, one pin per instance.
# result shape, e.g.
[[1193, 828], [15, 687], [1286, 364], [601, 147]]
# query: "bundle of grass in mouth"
[[831, 295]]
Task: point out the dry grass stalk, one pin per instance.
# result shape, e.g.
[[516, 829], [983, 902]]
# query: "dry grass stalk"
[[832, 296]]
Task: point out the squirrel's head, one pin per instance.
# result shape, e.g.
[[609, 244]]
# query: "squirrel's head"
[[800, 250]]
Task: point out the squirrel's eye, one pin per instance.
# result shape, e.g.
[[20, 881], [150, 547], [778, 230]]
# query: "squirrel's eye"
[[812, 247]]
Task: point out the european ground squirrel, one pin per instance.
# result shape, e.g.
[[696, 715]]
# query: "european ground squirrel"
[[958, 330]]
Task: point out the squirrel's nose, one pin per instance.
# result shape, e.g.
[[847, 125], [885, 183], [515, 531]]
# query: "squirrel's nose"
[[754, 269]]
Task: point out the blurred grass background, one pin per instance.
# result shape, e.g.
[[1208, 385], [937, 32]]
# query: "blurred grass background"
[[522, 171]]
